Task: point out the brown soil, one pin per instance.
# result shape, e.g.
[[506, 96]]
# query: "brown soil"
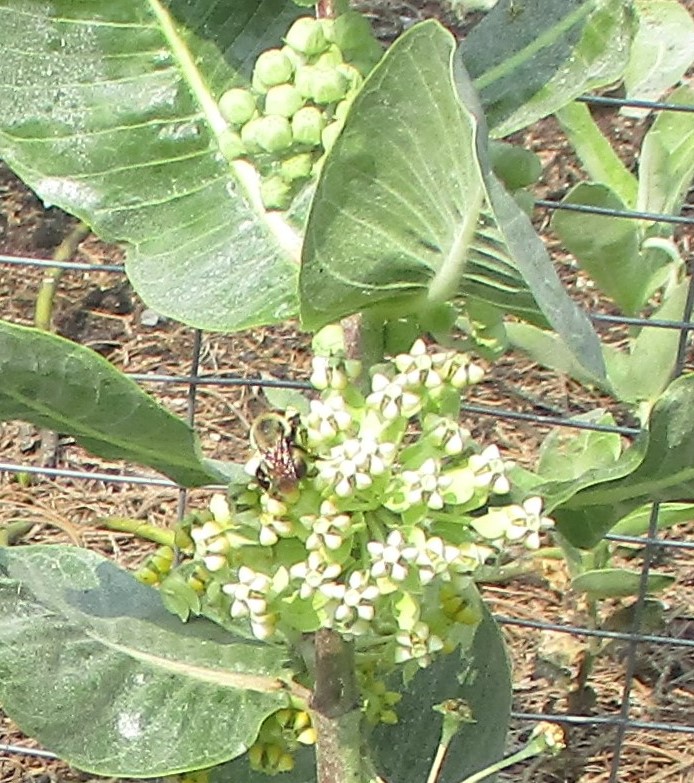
[[98, 309]]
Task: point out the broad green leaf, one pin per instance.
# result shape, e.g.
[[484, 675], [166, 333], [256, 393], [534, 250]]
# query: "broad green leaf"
[[482, 677], [394, 222], [662, 52], [528, 58], [596, 153], [110, 112], [58, 384], [83, 644], [607, 247], [399, 199], [666, 163], [549, 350], [528, 250], [638, 522], [653, 354], [618, 582], [566, 454], [665, 472]]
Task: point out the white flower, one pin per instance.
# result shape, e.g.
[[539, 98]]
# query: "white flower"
[[435, 558], [392, 399], [391, 559], [327, 374], [356, 609], [424, 485], [314, 573], [249, 594], [220, 509], [490, 470], [326, 419], [327, 531], [418, 644]]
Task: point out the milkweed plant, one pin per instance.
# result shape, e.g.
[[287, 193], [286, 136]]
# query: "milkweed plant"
[[368, 514]]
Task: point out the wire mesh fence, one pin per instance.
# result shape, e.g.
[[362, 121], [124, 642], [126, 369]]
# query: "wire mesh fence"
[[621, 720]]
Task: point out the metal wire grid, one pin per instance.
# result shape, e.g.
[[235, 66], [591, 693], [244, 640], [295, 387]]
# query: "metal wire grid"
[[651, 542]]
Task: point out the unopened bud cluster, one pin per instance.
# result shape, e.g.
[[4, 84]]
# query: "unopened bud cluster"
[[296, 104], [380, 536]]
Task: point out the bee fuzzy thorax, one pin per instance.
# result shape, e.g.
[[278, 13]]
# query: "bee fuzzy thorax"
[[280, 461]]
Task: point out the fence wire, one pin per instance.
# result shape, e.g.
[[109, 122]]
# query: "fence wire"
[[652, 542]]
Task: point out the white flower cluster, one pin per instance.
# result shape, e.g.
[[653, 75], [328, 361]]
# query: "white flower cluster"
[[394, 506]]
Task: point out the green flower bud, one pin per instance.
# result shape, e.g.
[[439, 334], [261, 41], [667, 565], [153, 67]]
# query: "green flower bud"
[[306, 36], [271, 133], [283, 99], [248, 136], [329, 86], [328, 25], [303, 80], [352, 75], [231, 145], [295, 58], [258, 84], [237, 106], [331, 58], [276, 193], [352, 31], [330, 134], [273, 67], [297, 167], [307, 126]]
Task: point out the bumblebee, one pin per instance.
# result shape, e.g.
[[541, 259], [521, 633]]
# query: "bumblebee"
[[283, 461]]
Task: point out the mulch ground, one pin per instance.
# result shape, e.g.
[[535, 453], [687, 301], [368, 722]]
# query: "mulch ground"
[[100, 310]]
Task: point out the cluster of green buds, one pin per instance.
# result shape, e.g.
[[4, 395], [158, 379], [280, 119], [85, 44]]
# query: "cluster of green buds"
[[297, 101], [280, 735], [368, 514]]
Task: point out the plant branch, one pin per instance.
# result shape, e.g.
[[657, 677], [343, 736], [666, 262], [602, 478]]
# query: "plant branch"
[[43, 311], [140, 529], [335, 708]]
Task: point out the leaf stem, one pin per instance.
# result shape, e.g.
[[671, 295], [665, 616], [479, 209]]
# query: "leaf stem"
[[444, 285], [43, 310], [140, 529], [246, 174]]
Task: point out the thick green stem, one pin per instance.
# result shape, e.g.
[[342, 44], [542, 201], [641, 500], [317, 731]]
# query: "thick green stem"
[[335, 711], [43, 312], [140, 529]]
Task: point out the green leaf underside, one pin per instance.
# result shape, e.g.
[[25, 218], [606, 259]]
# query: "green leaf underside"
[[607, 248], [84, 645], [664, 471], [482, 677], [54, 383], [567, 454], [528, 250], [638, 522], [663, 51], [618, 582], [528, 58], [109, 111], [397, 195], [666, 163], [596, 153], [648, 368]]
